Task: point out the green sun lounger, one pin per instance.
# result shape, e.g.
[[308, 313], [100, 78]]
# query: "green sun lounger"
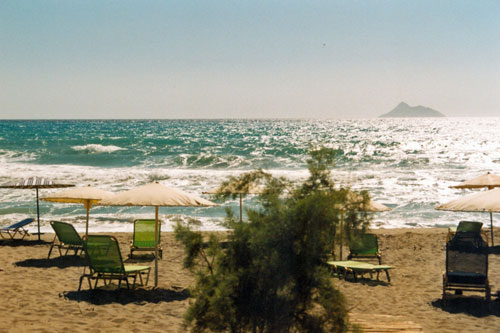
[[144, 237], [366, 247], [342, 268], [16, 228], [466, 265], [105, 263], [66, 238]]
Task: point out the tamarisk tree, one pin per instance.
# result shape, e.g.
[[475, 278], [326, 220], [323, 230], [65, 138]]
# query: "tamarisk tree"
[[268, 274]]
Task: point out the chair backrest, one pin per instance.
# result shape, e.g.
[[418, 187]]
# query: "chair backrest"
[[367, 244], [469, 226], [20, 224], [467, 252], [103, 254], [66, 233], [144, 233]]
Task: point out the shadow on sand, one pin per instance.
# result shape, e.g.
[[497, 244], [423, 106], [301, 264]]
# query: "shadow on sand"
[[59, 262], [24, 242], [140, 258], [364, 280], [472, 305], [369, 282], [122, 296]]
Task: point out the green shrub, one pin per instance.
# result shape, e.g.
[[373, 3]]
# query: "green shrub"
[[269, 274]]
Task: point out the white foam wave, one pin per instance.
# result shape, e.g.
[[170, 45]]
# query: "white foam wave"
[[97, 148], [412, 178]]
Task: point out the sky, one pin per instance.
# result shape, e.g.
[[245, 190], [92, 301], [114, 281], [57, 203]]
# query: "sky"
[[247, 59]]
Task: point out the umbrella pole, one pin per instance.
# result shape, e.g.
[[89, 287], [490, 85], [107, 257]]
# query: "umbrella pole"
[[341, 234], [156, 246], [87, 225], [491, 221], [241, 207], [38, 212]]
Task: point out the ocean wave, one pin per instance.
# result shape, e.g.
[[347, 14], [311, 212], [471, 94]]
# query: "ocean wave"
[[97, 148], [14, 156], [408, 165]]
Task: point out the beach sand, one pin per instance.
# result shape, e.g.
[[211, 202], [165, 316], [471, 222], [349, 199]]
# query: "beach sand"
[[40, 294]]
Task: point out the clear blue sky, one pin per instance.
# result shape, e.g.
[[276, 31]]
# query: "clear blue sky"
[[252, 59]]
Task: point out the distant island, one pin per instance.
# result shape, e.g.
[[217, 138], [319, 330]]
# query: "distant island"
[[404, 110]]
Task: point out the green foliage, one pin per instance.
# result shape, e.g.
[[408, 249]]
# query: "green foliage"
[[270, 276]]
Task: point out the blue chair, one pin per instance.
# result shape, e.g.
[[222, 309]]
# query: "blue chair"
[[16, 228]]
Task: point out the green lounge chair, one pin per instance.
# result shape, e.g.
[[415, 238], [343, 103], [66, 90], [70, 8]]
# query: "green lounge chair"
[[16, 228], [465, 226], [105, 262], [466, 265], [66, 238], [342, 268], [144, 237], [366, 247]]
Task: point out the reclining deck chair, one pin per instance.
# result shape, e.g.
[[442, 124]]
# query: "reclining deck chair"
[[466, 264], [16, 228], [466, 226], [66, 238], [144, 237], [365, 248], [342, 268], [105, 262]]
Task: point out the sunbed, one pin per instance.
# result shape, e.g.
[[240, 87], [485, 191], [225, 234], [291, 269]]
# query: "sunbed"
[[66, 238], [144, 237], [466, 226], [466, 265], [342, 268], [105, 263], [365, 247], [16, 228]]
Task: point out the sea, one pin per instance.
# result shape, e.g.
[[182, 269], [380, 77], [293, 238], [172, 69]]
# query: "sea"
[[407, 164]]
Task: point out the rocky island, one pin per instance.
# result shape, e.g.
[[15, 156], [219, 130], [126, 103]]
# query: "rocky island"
[[404, 110]]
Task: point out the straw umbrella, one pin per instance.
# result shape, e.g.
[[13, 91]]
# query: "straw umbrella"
[[369, 206], [485, 201], [489, 181], [230, 189], [36, 183], [155, 195], [86, 195]]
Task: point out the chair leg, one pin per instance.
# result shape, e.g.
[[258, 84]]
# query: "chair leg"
[[387, 274], [126, 280], [135, 279], [97, 280], [80, 284], [24, 233], [50, 251], [147, 276]]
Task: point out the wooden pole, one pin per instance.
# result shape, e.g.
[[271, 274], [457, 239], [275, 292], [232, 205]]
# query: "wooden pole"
[[241, 207], [341, 233], [156, 246], [87, 226], [38, 212], [491, 222]]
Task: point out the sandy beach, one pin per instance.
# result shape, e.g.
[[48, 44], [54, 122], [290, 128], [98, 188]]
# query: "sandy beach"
[[40, 294]]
